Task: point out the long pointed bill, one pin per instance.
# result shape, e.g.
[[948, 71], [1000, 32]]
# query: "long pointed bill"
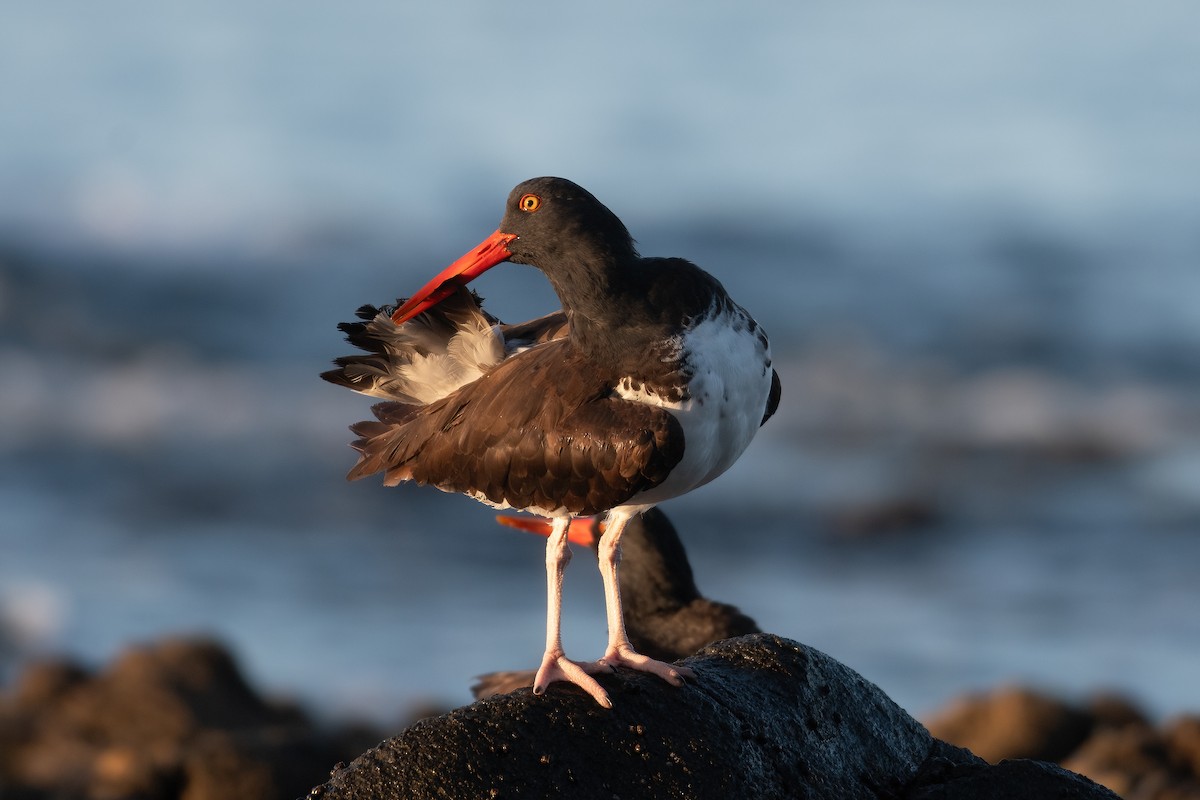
[[490, 252], [584, 530]]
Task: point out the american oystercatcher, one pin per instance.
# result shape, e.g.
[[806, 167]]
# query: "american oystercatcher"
[[655, 386], [666, 617]]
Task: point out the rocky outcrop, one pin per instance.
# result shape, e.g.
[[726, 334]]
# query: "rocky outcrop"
[[171, 720], [1013, 722], [765, 718], [1106, 738]]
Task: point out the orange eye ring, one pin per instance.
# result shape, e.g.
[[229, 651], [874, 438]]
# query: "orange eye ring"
[[529, 202]]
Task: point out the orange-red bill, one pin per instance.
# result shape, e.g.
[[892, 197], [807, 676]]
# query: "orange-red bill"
[[490, 252], [584, 531]]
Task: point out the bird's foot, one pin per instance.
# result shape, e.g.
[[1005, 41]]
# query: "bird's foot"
[[626, 656], [557, 667]]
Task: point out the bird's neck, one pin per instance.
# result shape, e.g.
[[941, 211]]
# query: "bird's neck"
[[601, 297], [623, 311]]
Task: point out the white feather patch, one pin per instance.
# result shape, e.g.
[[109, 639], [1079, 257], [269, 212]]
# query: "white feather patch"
[[427, 365], [727, 396]]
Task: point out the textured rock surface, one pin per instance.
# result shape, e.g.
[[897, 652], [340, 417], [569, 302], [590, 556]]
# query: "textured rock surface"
[[954, 774], [766, 718]]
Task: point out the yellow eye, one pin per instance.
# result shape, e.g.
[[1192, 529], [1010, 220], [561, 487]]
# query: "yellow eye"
[[529, 202]]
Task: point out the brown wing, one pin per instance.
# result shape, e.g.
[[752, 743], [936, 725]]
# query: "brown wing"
[[495, 683], [542, 430], [536, 331]]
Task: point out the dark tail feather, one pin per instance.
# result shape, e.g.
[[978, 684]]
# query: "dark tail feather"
[[358, 335], [377, 444], [501, 683], [366, 431], [393, 413], [338, 376], [369, 433]]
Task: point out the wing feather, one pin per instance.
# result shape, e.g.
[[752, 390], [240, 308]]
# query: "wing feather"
[[541, 430]]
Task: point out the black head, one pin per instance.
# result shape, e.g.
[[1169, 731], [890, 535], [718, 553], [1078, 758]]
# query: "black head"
[[556, 226], [560, 223]]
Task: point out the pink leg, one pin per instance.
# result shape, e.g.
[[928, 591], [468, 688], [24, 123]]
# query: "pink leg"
[[620, 652], [555, 665]]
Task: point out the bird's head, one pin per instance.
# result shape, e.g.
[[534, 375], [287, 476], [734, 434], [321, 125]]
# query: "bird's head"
[[549, 223]]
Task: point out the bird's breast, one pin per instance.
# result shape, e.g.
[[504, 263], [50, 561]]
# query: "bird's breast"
[[723, 369]]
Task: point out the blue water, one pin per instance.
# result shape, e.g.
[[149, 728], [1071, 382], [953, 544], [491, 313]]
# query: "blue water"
[[971, 232]]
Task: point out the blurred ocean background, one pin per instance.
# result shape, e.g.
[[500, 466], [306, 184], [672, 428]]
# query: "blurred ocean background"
[[972, 231]]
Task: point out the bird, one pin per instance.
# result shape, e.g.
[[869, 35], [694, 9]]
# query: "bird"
[[650, 384], [666, 617]]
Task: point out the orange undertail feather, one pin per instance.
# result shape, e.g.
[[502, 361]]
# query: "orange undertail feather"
[[583, 530]]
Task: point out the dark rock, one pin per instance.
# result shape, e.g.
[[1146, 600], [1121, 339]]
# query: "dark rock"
[[954, 774], [765, 718], [1182, 736], [1111, 710], [1138, 762], [1013, 722], [45, 682], [171, 720], [1108, 739]]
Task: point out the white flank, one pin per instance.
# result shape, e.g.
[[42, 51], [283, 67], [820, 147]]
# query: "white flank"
[[728, 394]]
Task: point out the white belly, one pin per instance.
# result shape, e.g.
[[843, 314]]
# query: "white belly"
[[727, 397]]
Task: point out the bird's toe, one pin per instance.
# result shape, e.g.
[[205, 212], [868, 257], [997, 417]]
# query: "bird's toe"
[[627, 657], [557, 667]]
